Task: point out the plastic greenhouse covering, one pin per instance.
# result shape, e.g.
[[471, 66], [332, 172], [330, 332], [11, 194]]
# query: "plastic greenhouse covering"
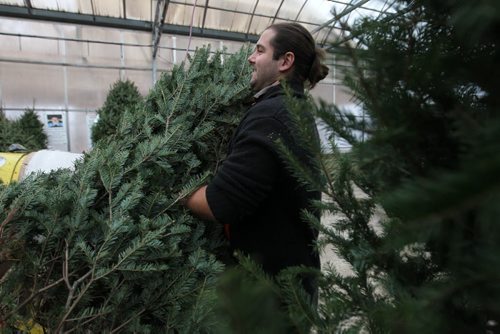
[[61, 57]]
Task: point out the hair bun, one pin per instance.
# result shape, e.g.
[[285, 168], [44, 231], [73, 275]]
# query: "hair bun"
[[318, 70]]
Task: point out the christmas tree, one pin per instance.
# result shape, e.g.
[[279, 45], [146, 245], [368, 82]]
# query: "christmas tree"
[[416, 203], [123, 95], [108, 248], [26, 131]]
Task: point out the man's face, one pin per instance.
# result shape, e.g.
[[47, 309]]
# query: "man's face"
[[265, 69]]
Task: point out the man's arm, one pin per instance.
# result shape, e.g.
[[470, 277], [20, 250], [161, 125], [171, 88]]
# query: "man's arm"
[[198, 204]]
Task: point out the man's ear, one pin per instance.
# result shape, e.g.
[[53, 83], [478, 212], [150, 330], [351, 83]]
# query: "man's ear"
[[286, 61]]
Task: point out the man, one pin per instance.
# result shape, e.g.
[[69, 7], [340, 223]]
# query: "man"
[[253, 193]]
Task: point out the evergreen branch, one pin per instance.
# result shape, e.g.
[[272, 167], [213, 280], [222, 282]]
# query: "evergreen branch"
[[125, 255], [302, 172], [218, 155], [115, 330], [299, 301], [187, 293], [150, 206], [7, 220], [359, 71], [49, 273], [110, 204], [202, 288], [157, 296], [69, 308], [216, 102], [33, 295], [72, 289], [42, 253], [177, 94], [330, 189], [91, 317], [65, 266], [207, 111], [154, 146], [244, 66]]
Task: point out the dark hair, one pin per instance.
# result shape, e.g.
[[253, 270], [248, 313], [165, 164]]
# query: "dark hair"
[[292, 37]]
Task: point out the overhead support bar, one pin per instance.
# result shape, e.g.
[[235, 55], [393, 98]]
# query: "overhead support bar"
[[204, 15], [300, 10], [93, 7], [277, 12], [74, 18], [28, 4], [161, 12], [124, 4], [343, 13], [120, 23], [210, 33], [251, 17]]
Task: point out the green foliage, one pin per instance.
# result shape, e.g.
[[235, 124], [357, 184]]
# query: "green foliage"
[[27, 131], [122, 96], [108, 248], [415, 206], [252, 302], [249, 302]]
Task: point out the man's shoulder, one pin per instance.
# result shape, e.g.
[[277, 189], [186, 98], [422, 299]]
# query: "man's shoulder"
[[271, 107]]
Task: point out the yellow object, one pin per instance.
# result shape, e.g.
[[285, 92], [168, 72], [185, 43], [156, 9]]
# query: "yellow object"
[[11, 165], [30, 328]]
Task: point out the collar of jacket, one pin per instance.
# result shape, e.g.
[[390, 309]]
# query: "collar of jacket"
[[296, 87]]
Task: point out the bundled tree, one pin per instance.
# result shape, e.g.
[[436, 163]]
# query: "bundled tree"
[[107, 248], [123, 95], [26, 131]]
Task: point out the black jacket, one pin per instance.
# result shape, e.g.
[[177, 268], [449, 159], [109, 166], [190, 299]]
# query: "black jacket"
[[255, 194]]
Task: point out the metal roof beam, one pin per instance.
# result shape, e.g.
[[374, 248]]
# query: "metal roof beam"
[[300, 10], [124, 4], [92, 6], [75, 18], [333, 25], [276, 15], [210, 33], [251, 17], [28, 4], [120, 23], [204, 15], [161, 12]]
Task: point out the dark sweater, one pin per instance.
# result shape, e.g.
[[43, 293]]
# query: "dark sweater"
[[255, 194]]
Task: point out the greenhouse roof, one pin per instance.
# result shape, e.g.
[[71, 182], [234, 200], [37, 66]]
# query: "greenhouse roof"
[[60, 57], [237, 20]]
